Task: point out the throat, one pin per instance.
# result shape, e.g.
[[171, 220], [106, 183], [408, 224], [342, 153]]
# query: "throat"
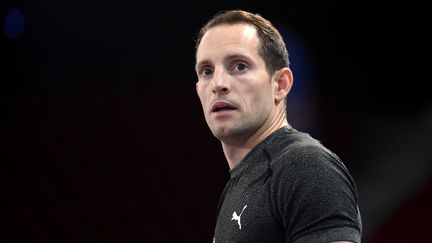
[[234, 154]]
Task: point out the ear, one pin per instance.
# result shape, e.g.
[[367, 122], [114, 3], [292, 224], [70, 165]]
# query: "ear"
[[283, 80]]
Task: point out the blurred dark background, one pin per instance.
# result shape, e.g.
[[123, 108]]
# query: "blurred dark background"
[[103, 139]]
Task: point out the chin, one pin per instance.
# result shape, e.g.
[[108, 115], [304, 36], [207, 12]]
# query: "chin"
[[224, 133], [221, 132]]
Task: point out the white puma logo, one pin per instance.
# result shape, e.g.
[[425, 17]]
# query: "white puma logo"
[[237, 217]]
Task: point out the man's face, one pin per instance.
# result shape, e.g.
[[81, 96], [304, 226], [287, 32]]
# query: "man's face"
[[233, 84]]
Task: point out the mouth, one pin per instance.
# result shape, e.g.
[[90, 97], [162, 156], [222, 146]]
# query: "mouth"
[[222, 106]]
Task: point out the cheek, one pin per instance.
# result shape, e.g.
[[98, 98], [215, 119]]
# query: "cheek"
[[258, 95], [200, 93], [260, 101], [203, 99]]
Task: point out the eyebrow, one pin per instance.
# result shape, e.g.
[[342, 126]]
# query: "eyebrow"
[[225, 59], [202, 63], [236, 56]]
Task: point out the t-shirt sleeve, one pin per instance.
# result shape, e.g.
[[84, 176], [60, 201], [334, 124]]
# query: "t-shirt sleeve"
[[315, 197]]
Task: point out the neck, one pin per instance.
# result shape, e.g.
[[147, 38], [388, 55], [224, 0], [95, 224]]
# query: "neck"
[[236, 150]]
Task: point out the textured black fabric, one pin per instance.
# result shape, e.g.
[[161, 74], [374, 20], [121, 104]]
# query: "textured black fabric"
[[289, 188]]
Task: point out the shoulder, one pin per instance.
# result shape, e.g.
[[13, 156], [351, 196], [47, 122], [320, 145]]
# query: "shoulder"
[[308, 181], [299, 162], [297, 150]]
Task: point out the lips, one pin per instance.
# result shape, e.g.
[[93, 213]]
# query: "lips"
[[219, 106]]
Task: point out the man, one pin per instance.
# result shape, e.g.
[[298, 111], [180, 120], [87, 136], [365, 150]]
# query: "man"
[[285, 186]]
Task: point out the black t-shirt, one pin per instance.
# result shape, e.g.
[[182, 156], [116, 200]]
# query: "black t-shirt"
[[289, 188]]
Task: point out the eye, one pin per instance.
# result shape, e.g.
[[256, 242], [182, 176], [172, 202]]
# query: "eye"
[[241, 66], [206, 71]]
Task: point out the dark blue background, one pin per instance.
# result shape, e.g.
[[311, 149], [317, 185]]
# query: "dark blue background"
[[104, 140]]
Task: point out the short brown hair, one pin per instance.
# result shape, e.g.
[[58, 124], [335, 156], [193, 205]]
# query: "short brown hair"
[[272, 47]]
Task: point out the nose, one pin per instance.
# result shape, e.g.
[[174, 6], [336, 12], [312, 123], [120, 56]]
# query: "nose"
[[220, 83]]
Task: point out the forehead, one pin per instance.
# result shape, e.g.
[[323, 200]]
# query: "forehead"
[[219, 40]]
